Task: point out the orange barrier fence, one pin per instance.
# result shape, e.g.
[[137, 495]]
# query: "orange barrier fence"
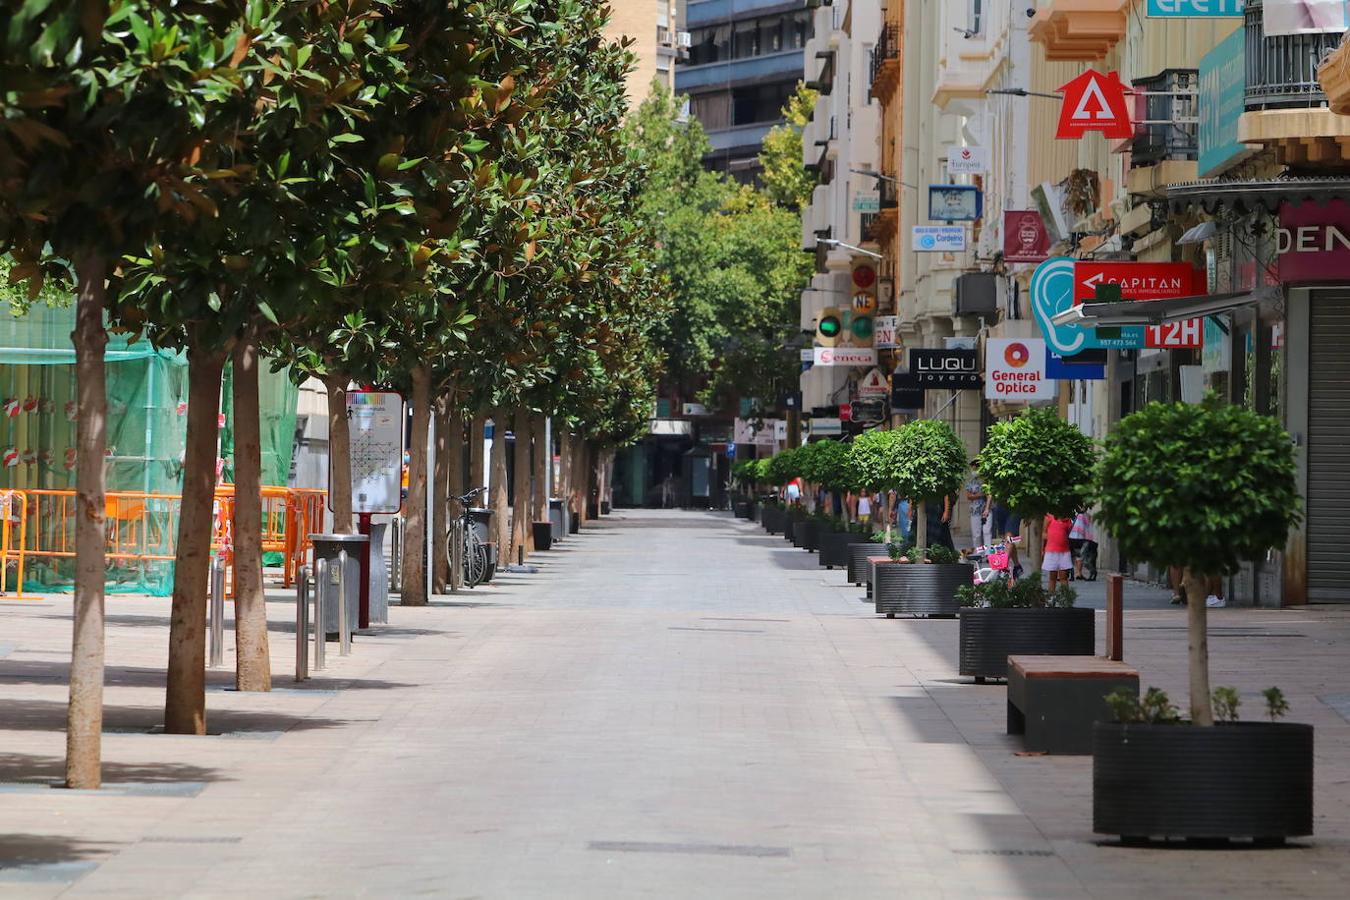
[[39, 525]]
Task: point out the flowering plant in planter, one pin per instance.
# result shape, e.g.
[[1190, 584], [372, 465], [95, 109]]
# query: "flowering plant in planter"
[[1028, 593]]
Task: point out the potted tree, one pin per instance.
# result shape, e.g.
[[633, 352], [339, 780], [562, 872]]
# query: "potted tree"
[[1038, 464], [925, 462], [1202, 488], [1003, 618], [869, 469], [830, 469], [806, 530], [776, 475], [743, 481]]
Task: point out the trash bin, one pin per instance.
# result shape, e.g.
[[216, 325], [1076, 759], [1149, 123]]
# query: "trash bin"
[[328, 546], [482, 523], [557, 517], [379, 574]]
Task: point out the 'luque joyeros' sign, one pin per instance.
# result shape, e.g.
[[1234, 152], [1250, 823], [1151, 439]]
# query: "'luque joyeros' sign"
[[950, 369]]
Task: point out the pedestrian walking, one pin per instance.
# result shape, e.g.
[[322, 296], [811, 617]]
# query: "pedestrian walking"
[[1083, 546], [865, 508], [1057, 560], [981, 522]]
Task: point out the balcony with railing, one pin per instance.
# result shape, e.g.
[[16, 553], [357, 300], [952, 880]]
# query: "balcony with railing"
[[886, 61], [1167, 113], [1078, 30], [1286, 107]]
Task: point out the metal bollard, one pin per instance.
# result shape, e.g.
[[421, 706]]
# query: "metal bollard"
[[395, 554], [344, 626], [302, 624], [320, 602], [216, 612]]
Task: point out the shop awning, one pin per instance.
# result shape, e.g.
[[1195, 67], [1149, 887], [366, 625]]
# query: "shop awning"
[[1157, 312], [1244, 196]]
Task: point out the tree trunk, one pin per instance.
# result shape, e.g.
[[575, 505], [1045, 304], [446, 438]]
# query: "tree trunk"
[[339, 454], [581, 478], [185, 698], [84, 716], [477, 435], [543, 457], [1197, 589], [440, 499], [920, 525], [522, 543], [501, 527], [253, 670], [413, 581], [563, 491], [1036, 540]]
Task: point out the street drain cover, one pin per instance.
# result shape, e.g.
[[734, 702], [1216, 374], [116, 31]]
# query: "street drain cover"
[[691, 849]]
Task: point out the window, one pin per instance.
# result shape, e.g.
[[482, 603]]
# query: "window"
[[745, 42], [975, 18]]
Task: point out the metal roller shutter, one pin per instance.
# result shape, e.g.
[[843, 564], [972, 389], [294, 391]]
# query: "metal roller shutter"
[[1328, 508]]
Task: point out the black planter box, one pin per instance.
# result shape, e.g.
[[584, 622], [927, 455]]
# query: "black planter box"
[[773, 519], [789, 528], [742, 509], [833, 547], [990, 636], [859, 572], [808, 531], [1241, 780], [543, 535], [923, 589]]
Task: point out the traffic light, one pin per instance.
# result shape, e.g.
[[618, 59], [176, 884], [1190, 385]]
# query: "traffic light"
[[829, 327]]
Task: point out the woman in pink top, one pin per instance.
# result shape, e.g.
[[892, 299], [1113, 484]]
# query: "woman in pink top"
[[1057, 560]]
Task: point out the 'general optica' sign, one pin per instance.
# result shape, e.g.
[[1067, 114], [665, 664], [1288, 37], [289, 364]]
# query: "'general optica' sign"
[[1178, 9], [1015, 370]]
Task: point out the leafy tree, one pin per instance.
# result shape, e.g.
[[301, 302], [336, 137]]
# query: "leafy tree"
[[1202, 487], [929, 462], [786, 180], [1038, 464], [110, 126]]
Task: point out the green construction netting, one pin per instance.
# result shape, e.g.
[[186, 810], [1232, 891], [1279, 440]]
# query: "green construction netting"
[[147, 406], [277, 399]]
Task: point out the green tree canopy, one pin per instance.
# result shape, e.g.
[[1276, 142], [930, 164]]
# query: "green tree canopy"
[[871, 460], [786, 180], [928, 461], [1037, 463]]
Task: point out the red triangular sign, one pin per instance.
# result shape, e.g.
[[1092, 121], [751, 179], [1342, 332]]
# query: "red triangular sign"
[[1094, 101]]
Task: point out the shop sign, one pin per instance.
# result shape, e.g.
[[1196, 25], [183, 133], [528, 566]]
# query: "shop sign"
[[826, 427], [846, 412], [1194, 9], [867, 412], [745, 432], [906, 393], [1052, 292], [1094, 101], [1217, 355], [695, 409], [1145, 281], [938, 238], [873, 384], [1060, 369], [967, 160], [1283, 17], [1015, 370], [1025, 238], [865, 201], [954, 202], [1221, 102], [883, 332], [1313, 241], [945, 369], [844, 356]]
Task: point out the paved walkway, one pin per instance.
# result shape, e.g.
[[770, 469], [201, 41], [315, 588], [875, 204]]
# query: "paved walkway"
[[673, 705]]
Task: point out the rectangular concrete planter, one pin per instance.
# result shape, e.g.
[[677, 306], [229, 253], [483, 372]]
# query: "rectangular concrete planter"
[[923, 589], [1241, 780], [990, 636]]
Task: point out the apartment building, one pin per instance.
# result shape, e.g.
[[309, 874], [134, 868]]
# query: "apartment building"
[[656, 28]]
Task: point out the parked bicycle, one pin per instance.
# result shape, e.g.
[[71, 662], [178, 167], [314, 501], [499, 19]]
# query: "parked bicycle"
[[475, 561], [991, 563]]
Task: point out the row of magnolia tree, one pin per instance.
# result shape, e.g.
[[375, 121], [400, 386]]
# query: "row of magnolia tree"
[[428, 195], [1199, 487]]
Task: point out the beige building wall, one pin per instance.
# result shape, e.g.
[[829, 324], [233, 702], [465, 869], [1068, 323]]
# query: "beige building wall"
[[654, 27]]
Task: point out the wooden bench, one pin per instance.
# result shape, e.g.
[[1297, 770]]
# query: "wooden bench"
[[1053, 700]]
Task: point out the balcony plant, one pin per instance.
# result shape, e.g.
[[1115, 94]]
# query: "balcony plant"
[[1003, 618], [1035, 464], [1201, 487]]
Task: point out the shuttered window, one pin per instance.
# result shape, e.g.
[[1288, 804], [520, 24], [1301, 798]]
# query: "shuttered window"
[[1328, 505]]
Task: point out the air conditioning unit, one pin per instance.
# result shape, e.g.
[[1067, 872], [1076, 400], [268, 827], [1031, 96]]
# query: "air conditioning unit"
[[977, 294], [684, 40]]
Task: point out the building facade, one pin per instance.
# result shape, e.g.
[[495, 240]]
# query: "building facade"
[[745, 60], [656, 28]]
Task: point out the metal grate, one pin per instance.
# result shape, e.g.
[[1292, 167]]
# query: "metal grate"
[[1282, 70]]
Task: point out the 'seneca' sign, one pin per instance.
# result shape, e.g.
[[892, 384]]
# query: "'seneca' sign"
[[1015, 370]]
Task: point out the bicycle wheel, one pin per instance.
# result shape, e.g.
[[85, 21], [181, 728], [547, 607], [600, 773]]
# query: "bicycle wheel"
[[474, 557]]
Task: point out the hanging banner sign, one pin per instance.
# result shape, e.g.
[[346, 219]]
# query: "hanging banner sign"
[[1025, 238], [375, 421], [865, 201], [1285, 17], [1222, 101], [1052, 292], [957, 370], [827, 427], [1094, 101], [873, 384], [938, 238], [967, 160], [1195, 9], [1015, 370], [1146, 281], [1060, 369]]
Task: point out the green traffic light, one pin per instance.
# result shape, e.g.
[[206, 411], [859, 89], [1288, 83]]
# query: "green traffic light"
[[829, 326], [862, 327]]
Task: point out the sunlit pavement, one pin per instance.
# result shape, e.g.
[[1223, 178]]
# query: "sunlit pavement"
[[674, 704]]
